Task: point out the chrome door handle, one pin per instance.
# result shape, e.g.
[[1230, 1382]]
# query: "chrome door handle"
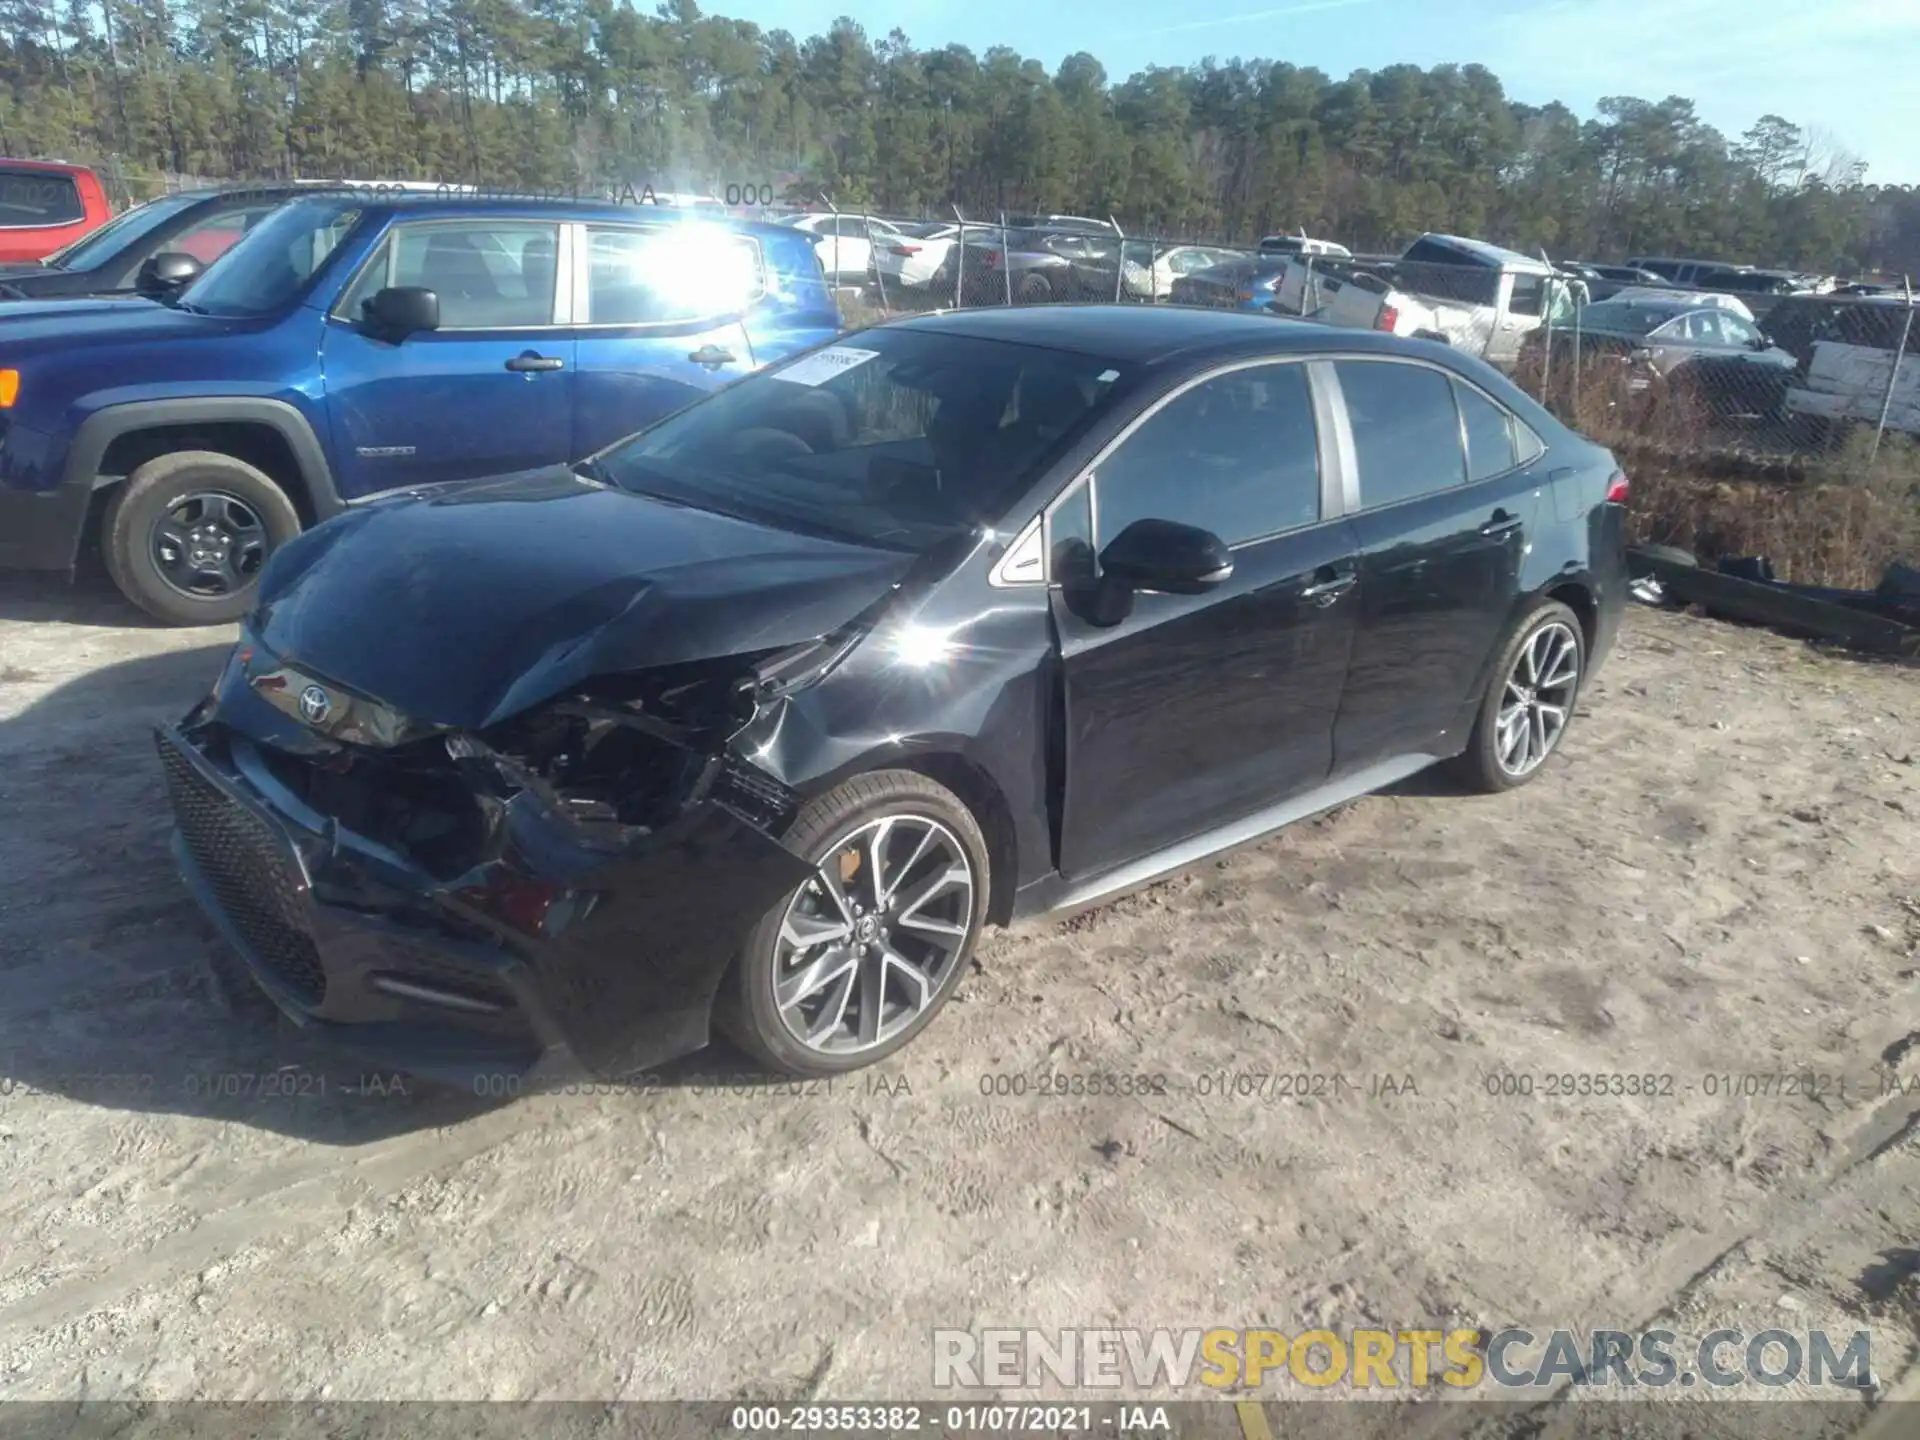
[[530, 362], [712, 355], [1501, 524], [1325, 592]]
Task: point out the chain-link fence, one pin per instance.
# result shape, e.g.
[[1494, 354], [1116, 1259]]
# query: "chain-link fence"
[[1821, 378], [1809, 377], [900, 266]]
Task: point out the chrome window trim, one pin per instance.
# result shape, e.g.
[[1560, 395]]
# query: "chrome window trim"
[[1340, 496]]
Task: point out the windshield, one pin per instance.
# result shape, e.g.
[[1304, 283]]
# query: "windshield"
[[99, 246], [272, 262], [1625, 318], [898, 438]]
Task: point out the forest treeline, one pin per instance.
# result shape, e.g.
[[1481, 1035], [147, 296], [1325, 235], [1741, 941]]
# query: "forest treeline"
[[592, 93]]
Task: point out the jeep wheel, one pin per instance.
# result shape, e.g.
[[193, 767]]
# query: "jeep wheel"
[[188, 534]]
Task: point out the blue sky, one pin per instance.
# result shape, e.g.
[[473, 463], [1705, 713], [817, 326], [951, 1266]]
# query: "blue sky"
[[1847, 68]]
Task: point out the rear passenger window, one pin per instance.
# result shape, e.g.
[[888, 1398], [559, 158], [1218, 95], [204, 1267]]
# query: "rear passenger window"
[[1237, 455], [1406, 432], [1490, 448], [646, 277]]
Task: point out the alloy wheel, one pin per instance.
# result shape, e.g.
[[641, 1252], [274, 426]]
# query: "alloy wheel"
[[866, 945], [1537, 699], [209, 543]]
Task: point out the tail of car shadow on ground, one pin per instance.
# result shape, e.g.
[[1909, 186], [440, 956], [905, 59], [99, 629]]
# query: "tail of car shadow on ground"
[[114, 992]]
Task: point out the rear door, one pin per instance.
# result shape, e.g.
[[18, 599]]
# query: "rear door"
[[1185, 712], [661, 310], [1443, 509], [489, 392]]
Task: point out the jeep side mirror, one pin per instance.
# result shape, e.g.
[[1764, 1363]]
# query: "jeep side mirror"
[[400, 310], [168, 271]]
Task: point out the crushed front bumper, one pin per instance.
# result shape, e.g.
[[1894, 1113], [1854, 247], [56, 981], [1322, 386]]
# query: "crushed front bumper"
[[355, 942]]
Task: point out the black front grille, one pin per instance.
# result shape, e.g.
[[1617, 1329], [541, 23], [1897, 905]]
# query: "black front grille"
[[255, 885]]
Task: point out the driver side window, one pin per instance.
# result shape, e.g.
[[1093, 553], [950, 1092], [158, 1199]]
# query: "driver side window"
[[1237, 455]]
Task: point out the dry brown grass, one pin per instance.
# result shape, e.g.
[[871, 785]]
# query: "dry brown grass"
[[1826, 510]]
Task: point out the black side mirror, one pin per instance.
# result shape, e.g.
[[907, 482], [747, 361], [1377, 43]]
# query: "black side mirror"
[[169, 270], [1166, 556], [401, 310]]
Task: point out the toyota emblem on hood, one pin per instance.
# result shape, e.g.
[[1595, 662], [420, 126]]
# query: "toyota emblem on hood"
[[315, 705]]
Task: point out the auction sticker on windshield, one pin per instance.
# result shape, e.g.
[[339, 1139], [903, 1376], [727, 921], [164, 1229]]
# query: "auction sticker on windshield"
[[823, 365]]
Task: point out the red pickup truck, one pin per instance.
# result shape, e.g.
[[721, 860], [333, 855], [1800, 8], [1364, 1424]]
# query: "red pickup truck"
[[46, 206]]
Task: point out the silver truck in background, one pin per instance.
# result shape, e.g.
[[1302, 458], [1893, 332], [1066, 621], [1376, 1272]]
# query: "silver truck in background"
[[1469, 294]]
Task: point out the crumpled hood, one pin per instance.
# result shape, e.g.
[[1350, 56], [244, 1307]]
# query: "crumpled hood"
[[117, 320], [467, 604]]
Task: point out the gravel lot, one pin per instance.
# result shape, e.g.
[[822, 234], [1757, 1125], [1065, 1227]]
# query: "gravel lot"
[[1719, 876]]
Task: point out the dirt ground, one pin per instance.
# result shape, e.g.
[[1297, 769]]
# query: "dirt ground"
[[1718, 876]]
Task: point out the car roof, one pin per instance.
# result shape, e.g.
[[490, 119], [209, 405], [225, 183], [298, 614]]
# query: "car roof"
[[1679, 304], [1142, 334], [1491, 255], [51, 167], [558, 207]]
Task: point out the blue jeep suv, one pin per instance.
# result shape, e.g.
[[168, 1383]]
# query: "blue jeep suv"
[[351, 346]]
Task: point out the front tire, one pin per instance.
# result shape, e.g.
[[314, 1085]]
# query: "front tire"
[[187, 535], [1529, 702], [856, 961]]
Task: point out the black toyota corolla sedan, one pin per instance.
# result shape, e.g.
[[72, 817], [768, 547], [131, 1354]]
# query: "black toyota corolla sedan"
[[758, 717]]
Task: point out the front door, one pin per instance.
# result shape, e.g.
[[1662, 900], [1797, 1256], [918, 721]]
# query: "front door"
[[1442, 531], [489, 392], [661, 310], [1183, 713]]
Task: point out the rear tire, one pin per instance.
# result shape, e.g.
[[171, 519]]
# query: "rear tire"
[[889, 966], [1033, 290], [187, 535], [1516, 731]]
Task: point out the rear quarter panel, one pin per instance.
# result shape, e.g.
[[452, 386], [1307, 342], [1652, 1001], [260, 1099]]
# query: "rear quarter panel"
[[799, 310]]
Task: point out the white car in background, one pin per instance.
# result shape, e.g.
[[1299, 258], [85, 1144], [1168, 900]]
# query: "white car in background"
[[917, 254], [845, 243], [1148, 273]]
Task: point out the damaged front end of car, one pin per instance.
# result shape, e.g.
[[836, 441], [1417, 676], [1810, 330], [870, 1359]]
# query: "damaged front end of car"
[[460, 902]]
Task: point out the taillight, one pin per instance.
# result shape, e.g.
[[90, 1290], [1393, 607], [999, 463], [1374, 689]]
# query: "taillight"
[[1243, 296], [992, 256], [903, 249], [1618, 488], [1389, 317]]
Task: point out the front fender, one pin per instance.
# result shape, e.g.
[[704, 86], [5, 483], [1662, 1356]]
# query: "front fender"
[[96, 433]]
